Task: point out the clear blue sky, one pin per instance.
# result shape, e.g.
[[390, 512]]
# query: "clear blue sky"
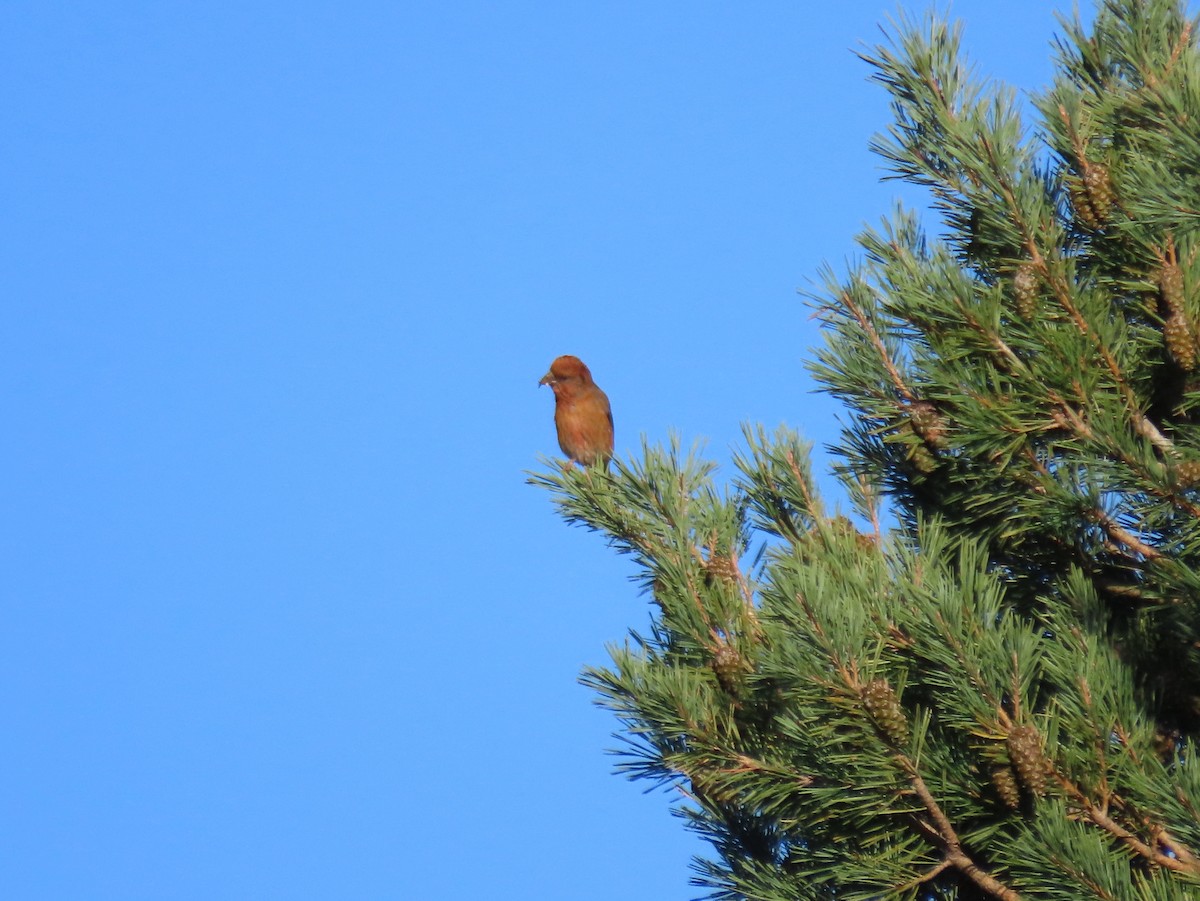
[[280, 618]]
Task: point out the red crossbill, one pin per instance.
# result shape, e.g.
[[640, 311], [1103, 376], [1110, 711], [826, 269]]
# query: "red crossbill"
[[581, 412]]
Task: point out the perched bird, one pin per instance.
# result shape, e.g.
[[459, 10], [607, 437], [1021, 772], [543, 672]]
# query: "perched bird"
[[581, 412]]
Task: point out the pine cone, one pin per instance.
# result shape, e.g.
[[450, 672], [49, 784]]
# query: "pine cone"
[[844, 526], [1178, 338], [730, 669], [927, 422], [1170, 284], [721, 568], [1082, 203], [1025, 291], [866, 541], [1004, 781], [1187, 473], [924, 461], [1168, 743], [1098, 184], [1025, 754], [884, 708]]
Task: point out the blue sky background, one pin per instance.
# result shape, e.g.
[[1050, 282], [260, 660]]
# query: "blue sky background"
[[280, 618]]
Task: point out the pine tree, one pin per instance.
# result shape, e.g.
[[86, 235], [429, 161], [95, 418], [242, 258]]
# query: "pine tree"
[[990, 686]]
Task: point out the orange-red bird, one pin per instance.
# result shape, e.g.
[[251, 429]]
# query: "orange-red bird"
[[581, 412]]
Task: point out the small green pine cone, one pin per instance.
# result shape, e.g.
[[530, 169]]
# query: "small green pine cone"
[[1025, 755], [1178, 338], [1098, 184], [884, 708], [1004, 781], [1025, 291], [730, 669], [1170, 284]]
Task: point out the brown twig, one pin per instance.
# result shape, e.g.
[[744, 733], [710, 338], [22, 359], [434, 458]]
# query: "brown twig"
[[956, 856], [1180, 863]]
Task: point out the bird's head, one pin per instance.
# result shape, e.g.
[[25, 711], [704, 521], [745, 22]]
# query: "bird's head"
[[567, 370]]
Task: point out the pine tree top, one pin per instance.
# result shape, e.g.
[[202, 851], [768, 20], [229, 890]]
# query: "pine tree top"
[[999, 695]]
